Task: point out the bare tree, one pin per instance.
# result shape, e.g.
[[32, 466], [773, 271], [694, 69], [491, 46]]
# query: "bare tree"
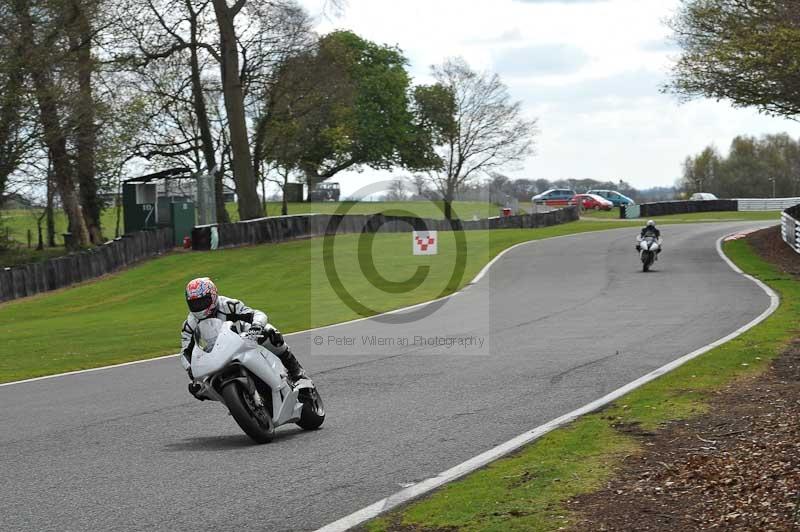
[[476, 128], [80, 33], [280, 176], [420, 187], [13, 139], [177, 45], [397, 190], [170, 61], [36, 57], [233, 94], [235, 69]]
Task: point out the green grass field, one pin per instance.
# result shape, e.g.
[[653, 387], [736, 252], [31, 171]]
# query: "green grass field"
[[137, 314], [424, 209], [17, 222], [528, 490]]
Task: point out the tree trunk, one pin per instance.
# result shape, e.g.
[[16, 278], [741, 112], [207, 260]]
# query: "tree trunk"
[[51, 223], [40, 241], [54, 135], [86, 129], [284, 203], [118, 206], [264, 196], [201, 112], [448, 201], [312, 177], [249, 205], [219, 198], [258, 161]]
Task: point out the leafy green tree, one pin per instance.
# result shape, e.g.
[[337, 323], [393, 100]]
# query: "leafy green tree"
[[753, 167], [344, 104], [700, 173], [745, 51]]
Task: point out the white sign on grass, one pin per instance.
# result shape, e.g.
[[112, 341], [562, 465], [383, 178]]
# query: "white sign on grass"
[[425, 242]]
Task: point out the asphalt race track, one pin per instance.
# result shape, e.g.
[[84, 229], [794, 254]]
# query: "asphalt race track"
[[563, 321]]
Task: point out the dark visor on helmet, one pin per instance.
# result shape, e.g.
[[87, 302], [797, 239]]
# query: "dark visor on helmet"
[[199, 304]]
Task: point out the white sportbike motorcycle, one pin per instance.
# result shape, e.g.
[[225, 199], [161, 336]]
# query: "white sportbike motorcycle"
[[648, 250], [252, 382]]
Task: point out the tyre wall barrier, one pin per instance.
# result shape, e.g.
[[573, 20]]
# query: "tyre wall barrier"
[[29, 279], [790, 227], [677, 207], [282, 228]]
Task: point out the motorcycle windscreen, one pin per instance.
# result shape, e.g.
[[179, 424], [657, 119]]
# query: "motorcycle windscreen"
[[215, 346]]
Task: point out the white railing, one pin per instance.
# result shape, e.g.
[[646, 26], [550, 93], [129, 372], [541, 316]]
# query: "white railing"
[[790, 231], [767, 204]]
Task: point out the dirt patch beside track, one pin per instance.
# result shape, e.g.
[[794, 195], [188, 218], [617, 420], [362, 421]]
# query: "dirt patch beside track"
[[769, 244]]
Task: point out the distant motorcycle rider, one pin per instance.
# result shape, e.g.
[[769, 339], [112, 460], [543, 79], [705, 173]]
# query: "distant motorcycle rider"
[[650, 230], [204, 303]]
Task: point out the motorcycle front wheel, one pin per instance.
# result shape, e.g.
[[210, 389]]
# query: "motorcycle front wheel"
[[313, 413], [254, 421]]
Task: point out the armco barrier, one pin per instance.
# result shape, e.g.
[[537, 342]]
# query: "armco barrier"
[[282, 228], [30, 279], [645, 210], [681, 207], [790, 227], [766, 204]]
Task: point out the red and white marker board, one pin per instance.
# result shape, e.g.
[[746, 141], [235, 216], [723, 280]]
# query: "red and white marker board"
[[425, 242]]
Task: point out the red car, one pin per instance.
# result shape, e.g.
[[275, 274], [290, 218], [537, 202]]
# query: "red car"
[[592, 201]]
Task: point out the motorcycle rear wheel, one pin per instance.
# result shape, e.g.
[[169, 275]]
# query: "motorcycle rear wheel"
[[242, 409], [313, 413]]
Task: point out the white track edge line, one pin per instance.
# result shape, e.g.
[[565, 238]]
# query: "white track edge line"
[[395, 311], [429, 484], [78, 371]]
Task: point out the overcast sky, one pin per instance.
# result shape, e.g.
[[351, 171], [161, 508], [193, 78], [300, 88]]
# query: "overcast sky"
[[589, 70]]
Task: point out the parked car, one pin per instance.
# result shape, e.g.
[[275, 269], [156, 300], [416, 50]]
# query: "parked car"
[[554, 197], [702, 196], [616, 198], [592, 201]]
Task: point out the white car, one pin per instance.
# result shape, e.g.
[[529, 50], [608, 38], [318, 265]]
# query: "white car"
[[702, 196]]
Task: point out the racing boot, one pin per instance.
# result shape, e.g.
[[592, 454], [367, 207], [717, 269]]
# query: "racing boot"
[[296, 371]]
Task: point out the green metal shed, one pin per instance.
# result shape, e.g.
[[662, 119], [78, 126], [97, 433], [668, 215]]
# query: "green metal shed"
[[151, 201]]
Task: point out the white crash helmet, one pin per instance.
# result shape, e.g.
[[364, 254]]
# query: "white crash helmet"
[[651, 223]]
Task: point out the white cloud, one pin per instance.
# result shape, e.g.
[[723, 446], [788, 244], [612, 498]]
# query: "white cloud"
[[540, 60], [591, 71]]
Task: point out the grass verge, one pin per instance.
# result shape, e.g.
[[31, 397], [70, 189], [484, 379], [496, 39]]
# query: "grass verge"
[[529, 489], [137, 314], [17, 222]]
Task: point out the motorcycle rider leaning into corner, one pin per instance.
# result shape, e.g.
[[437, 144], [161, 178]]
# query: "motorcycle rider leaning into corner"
[[204, 303], [650, 230]]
